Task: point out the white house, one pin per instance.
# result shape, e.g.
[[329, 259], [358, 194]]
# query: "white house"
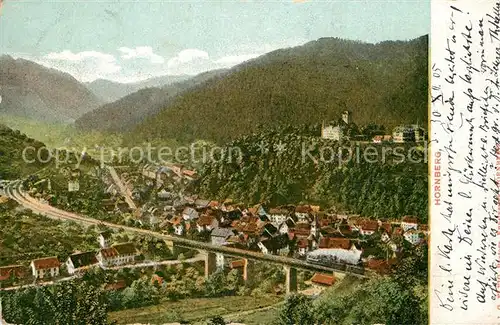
[[277, 216], [45, 267], [80, 261], [220, 261], [104, 238], [409, 222], [368, 228], [179, 229], [286, 226], [302, 246], [413, 236], [120, 254], [302, 212], [384, 237], [330, 132]]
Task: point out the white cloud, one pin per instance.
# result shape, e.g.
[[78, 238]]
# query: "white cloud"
[[189, 61], [67, 55], [141, 52], [84, 66], [231, 60], [140, 63]]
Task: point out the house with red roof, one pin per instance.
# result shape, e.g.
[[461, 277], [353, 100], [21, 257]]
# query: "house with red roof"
[[12, 271], [322, 280], [302, 246], [332, 242], [237, 264], [45, 267], [409, 222], [368, 228], [119, 254], [206, 222]]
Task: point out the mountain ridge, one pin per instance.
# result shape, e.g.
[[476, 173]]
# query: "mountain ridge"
[[384, 83], [109, 91], [126, 112], [29, 89]]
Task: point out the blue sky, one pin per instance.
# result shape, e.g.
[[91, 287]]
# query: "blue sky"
[[133, 40]]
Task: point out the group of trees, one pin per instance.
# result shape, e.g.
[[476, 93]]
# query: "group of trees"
[[276, 167], [70, 302]]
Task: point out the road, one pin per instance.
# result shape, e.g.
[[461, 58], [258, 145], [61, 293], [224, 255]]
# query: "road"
[[39, 284], [14, 191], [123, 189]]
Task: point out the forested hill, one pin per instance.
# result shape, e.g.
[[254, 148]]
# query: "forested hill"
[[12, 144], [21, 156], [384, 83], [125, 113], [279, 168]]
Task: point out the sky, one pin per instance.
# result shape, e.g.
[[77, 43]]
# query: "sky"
[[132, 40]]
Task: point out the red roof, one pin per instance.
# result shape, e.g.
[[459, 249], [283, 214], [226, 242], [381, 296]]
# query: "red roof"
[[303, 243], [397, 231], [278, 211], [109, 252], [387, 227], [303, 209], [301, 232], [380, 266], [12, 270], [327, 242], [213, 204], [410, 219], [323, 279], [205, 220], [176, 220], [189, 172], [46, 263], [369, 225], [237, 264], [156, 279]]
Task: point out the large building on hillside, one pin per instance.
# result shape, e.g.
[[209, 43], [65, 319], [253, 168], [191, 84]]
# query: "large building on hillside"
[[408, 133], [337, 131]]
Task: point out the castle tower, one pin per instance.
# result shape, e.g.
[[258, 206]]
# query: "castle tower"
[[346, 117]]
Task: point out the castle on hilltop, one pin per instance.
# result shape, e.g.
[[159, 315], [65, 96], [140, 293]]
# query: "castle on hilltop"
[[336, 131]]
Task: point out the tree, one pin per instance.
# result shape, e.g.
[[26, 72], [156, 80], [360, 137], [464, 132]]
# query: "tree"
[[297, 310]]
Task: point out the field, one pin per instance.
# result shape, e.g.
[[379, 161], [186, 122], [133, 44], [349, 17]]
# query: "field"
[[193, 309]]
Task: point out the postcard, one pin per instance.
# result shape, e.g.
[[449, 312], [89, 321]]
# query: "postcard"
[[249, 162], [465, 163]]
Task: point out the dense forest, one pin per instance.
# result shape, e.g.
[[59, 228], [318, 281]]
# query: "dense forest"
[[384, 83], [287, 168]]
